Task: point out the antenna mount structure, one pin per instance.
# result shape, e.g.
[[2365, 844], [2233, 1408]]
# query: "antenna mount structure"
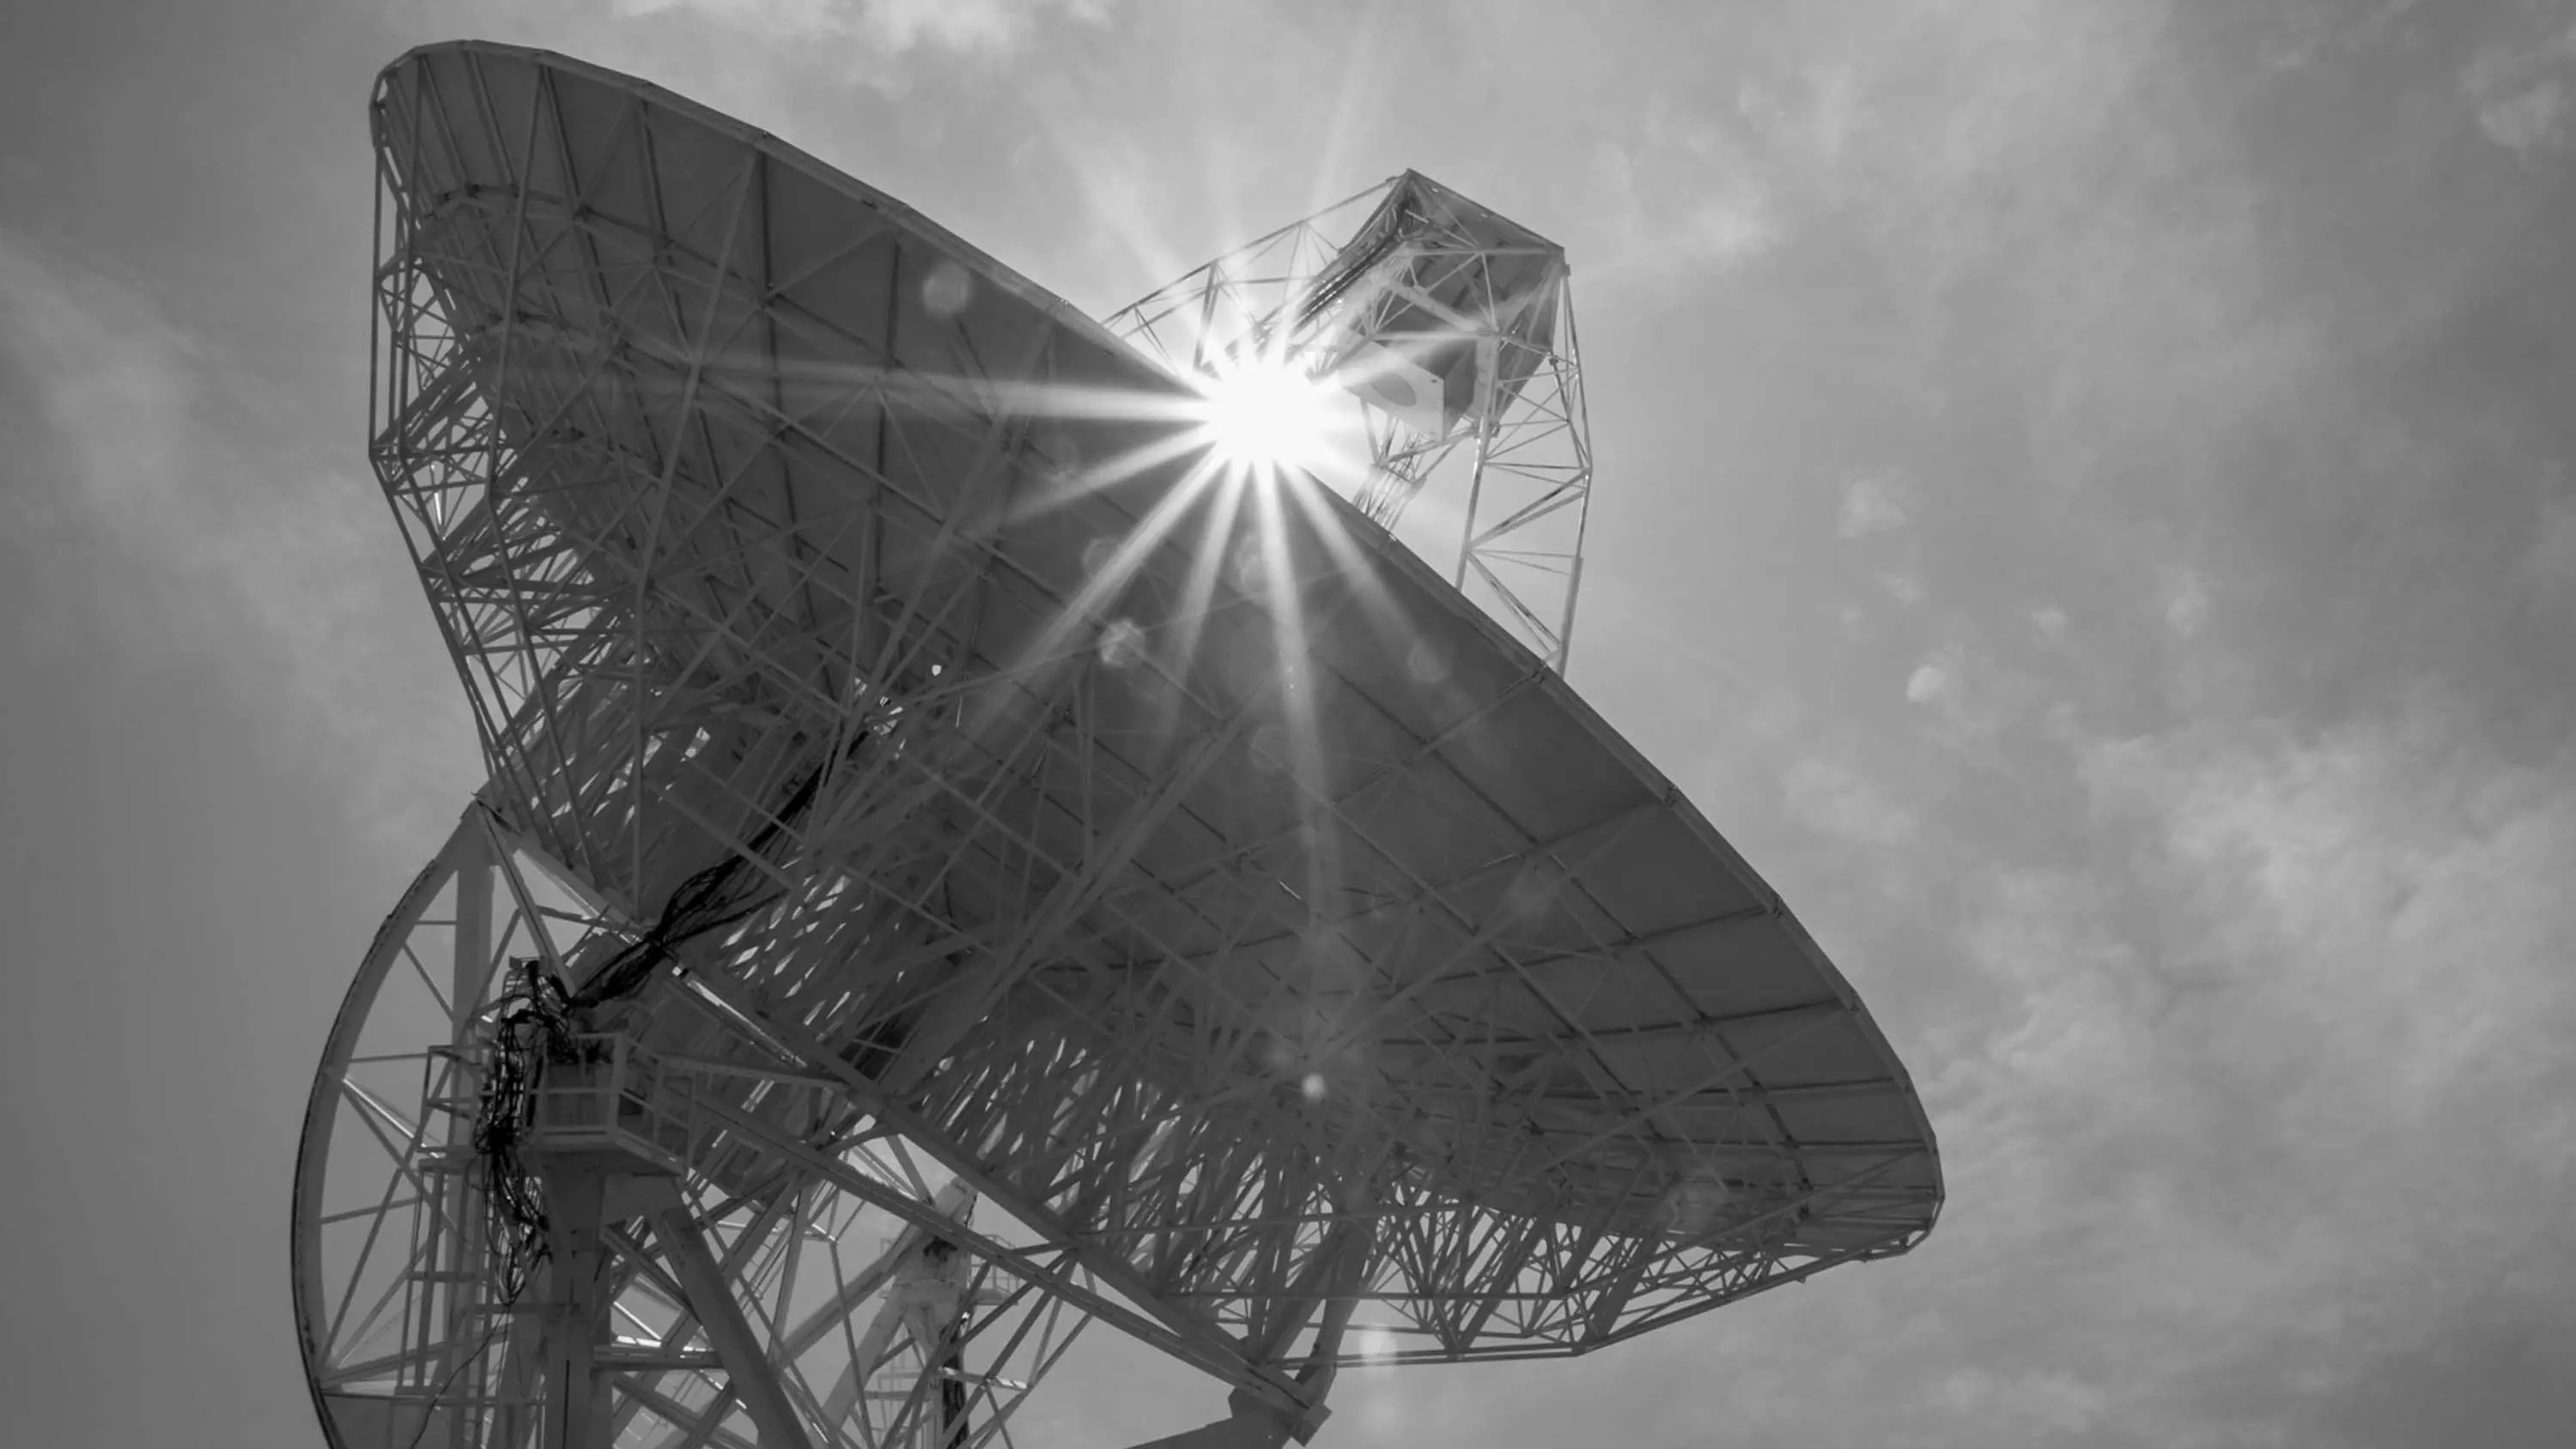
[[956, 864], [1453, 328]]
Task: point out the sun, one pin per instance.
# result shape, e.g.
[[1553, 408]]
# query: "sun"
[[1264, 415]]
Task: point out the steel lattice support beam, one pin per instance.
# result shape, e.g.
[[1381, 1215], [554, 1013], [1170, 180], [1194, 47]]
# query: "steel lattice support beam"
[[1408, 266]]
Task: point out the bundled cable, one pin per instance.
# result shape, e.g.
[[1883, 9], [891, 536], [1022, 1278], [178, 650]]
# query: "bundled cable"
[[533, 1028], [539, 1024], [718, 896]]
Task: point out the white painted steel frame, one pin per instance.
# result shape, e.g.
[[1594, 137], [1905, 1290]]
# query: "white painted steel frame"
[[1243, 975], [1523, 457], [411, 1337]]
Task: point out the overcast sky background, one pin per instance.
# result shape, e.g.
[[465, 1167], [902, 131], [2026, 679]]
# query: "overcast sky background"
[[2084, 504]]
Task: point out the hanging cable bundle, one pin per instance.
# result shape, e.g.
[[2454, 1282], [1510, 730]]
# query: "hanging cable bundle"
[[729, 891], [540, 1023], [532, 1028]]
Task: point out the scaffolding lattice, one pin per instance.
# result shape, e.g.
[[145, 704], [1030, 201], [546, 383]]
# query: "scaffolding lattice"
[[1453, 330]]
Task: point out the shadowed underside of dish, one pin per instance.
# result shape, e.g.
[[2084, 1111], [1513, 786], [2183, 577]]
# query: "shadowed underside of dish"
[[1170, 857]]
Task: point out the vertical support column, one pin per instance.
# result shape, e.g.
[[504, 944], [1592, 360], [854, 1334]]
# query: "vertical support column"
[[754, 1379], [937, 1320], [949, 1365], [576, 1312], [469, 1269], [1344, 1272], [1488, 358], [1331, 1283], [1568, 363]]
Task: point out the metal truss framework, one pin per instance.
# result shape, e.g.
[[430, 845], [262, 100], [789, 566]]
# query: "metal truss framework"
[[1410, 275], [757, 608], [758, 1281]]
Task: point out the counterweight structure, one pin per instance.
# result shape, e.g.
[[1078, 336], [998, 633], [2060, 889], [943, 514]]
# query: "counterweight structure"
[[1453, 327], [956, 868]]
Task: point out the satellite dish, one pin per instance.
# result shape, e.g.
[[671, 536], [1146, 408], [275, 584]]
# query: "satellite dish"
[[959, 864]]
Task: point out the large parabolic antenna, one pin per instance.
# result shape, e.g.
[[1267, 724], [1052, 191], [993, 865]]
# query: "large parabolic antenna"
[[973, 849]]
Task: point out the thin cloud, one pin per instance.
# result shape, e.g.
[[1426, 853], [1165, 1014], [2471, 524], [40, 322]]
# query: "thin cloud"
[[2187, 602], [2521, 91], [2549, 566], [189, 529], [1874, 503], [2245, 1101], [1679, 195], [893, 27], [1836, 800]]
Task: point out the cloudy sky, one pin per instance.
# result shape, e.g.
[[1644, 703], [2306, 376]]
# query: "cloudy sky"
[[2084, 504]]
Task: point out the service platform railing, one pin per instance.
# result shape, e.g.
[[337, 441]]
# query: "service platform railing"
[[610, 1096]]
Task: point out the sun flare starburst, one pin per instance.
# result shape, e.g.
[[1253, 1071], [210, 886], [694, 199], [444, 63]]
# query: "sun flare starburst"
[[1263, 415]]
